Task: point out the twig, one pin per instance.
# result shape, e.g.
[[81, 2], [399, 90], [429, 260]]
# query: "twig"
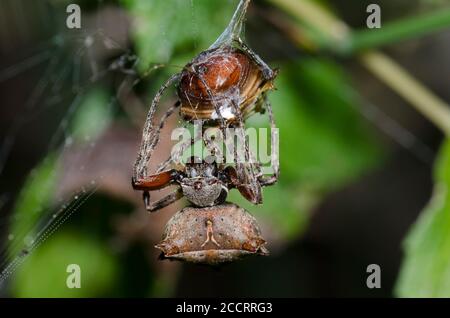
[[418, 95]]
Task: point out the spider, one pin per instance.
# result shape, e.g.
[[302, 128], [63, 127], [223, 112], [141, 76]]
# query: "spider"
[[221, 87], [203, 184]]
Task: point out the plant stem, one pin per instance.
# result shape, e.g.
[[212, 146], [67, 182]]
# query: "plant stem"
[[418, 95], [400, 30], [384, 68]]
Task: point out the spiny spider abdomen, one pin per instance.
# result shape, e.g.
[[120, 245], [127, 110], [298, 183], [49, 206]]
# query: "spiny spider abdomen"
[[212, 235]]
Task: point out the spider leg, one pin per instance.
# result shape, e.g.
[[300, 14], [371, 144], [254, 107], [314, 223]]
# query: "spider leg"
[[268, 73], [162, 203], [270, 180], [176, 156], [149, 137], [248, 184], [147, 72], [163, 119], [157, 182]]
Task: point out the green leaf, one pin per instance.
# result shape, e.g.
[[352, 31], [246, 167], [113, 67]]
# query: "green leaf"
[[426, 268], [44, 272], [92, 116], [162, 29], [32, 203]]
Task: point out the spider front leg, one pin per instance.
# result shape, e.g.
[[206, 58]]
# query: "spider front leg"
[[248, 184], [158, 182], [267, 72], [150, 137], [176, 156]]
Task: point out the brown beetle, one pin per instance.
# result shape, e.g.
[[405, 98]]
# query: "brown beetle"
[[212, 235], [226, 82]]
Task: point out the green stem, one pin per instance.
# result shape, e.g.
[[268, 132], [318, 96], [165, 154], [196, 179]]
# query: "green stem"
[[404, 29], [418, 95]]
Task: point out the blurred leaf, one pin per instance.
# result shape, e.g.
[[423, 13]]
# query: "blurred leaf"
[[35, 199], [284, 207], [323, 141], [426, 268], [162, 28], [44, 273], [32, 203], [34, 206], [92, 116]]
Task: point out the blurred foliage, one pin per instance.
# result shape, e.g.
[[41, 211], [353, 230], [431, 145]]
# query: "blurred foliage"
[[34, 208], [401, 30], [426, 268], [44, 274], [92, 117], [323, 142], [32, 203], [162, 28]]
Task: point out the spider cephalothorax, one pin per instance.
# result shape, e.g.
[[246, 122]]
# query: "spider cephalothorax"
[[202, 183]]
